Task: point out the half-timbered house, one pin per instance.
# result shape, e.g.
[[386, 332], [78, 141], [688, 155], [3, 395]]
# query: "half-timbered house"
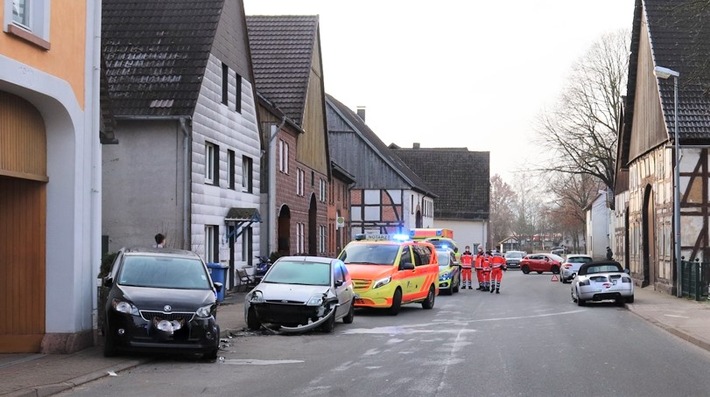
[[288, 72], [670, 35], [387, 196], [187, 164]]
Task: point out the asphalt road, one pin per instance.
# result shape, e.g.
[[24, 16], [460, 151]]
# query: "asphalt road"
[[530, 340]]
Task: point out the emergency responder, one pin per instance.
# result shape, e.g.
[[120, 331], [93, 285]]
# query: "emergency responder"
[[466, 265], [497, 267], [487, 271], [480, 255]]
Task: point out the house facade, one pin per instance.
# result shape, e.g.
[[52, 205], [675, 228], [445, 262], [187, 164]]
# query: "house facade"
[[288, 72], [50, 181], [187, 162], [387, 196], [463, 190], [664, 35], [339, 224]]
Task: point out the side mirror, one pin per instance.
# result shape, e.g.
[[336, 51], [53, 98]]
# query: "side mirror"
[[338, 283], [107, 282], [406, 266], [627, 271], [218, 286]]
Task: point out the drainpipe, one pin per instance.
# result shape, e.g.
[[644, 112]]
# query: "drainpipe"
[[92, 105], [187, 181]]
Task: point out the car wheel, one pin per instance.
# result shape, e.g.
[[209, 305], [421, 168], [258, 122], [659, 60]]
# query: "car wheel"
[[455, 288], [109, 343], [211, 354], [253, 322], [572, 295], [430, 298], [525, 269], [630, 299], [580, 301], [348, 319], [396, 302], [555, 269], [329, 325]]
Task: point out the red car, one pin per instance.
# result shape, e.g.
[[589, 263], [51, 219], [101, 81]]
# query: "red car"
[[541, 263]]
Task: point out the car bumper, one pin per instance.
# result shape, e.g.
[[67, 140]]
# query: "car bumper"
[[512, 264], [141, 333], [600, 294], [288, 314]]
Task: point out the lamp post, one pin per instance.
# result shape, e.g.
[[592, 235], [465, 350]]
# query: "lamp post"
[[665, 73]]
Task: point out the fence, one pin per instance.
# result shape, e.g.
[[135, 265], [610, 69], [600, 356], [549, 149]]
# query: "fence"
[[694, 279]]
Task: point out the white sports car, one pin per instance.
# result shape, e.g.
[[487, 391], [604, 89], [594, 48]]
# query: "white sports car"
[[604, 280]]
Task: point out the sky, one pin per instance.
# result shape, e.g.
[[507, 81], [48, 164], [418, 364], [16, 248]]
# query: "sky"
[[455, 73]]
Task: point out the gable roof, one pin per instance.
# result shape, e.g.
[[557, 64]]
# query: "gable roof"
[[680, 40], [463, 190], [156, 53], [359, 127], [282, 52]]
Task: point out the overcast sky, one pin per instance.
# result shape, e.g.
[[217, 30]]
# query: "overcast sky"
[[455, 73]]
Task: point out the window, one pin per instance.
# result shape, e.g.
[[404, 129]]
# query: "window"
[[313, 178], [321, 238], [238, 94], [225, 84], [323, 191], [211, 243], [283, 156], [412, 206], [247, 174], [211, 164], [247, 248], [300, 238], [300, 181], [231, 168], [28, 20]]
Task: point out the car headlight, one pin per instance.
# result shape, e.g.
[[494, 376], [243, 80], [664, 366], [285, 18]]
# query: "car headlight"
[[204, 311], [124, 307], [382, 282], [257, 297], [315, 300], [445, 276]]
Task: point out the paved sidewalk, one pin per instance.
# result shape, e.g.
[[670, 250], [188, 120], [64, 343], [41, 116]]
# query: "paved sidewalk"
[[47, 374]]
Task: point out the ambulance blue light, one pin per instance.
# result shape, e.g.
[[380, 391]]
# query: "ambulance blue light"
[[400, 237]]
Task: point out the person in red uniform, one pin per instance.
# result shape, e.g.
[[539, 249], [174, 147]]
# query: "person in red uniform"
[[480, 256], [487, 271], [497, 267], [466, 265]]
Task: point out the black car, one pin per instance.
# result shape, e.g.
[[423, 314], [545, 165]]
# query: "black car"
[[160, 300]]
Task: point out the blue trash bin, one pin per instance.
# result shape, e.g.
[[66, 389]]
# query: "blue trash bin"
[[218, 272]]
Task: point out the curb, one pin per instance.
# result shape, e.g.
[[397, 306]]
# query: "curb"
[[673, 331], [52, 389]]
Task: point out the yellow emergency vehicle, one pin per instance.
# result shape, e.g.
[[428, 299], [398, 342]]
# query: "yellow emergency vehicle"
[[388, 274]]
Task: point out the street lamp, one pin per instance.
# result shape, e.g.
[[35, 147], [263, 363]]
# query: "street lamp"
[[665, 73]]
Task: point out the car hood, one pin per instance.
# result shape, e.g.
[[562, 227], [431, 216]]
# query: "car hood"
[[179, 299], [290, 292], [369, 272]]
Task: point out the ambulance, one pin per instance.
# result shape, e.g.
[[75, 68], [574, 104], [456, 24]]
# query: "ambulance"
[[390, 273], [440, 238]]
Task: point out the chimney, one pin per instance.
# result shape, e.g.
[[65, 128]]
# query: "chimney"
[[415, 145], [361, 112]]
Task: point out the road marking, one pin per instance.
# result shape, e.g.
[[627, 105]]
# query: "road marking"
[[247, 361], [675, 316]]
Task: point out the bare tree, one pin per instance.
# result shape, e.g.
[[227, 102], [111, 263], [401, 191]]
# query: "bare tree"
[[502, 199], [582, 131], [573, 194]]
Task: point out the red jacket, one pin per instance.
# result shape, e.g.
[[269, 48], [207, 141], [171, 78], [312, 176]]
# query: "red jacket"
[[466, 260]]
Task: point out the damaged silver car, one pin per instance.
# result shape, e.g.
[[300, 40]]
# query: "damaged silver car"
[[301, 293]]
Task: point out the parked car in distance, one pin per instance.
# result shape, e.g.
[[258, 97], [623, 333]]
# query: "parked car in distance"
[[571, 265], [540, 263], [161, 300], [390, 273], [513, 258], [301, 293], [449, 271], [602, 280]]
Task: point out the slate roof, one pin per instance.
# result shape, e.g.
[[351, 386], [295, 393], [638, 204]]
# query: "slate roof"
[[379, 147], [463, 190], [282, 53], [156, 53], [680, 40]]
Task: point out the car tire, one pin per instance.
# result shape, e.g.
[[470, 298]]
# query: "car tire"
[[348, 319], [430, 299], [525, 269], [555, 270], [455, 288], [329, 325], [396, 302], [630, 299], [580, 301], [253, 322], [109, 343], [211, 355]]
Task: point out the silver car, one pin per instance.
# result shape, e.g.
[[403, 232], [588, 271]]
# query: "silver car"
[[603, 280], [571, 265], [513, 258], [301, 293]]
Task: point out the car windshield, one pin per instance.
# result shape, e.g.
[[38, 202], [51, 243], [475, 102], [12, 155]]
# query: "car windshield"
[[579, 259], [376, 254], [299, 272], [444, 258], [163, 272], [604, 269], [513, 255]]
